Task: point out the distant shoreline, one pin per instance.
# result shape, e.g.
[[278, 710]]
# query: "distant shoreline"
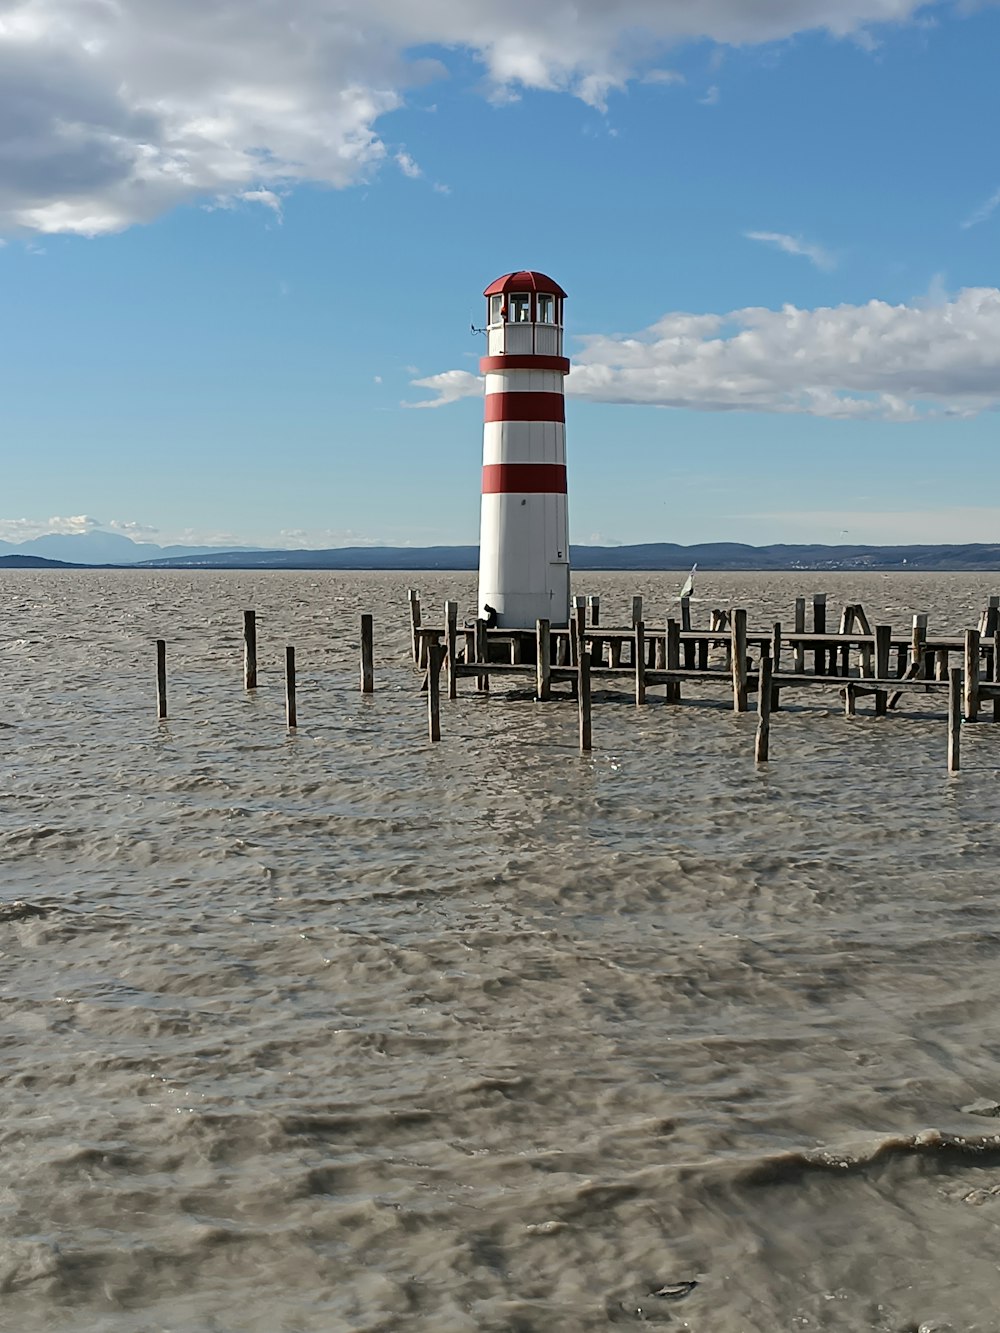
[[717, 557]]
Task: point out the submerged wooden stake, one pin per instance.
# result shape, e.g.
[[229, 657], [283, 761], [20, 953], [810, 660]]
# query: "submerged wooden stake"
[[291, 713], [763, 738], [367, 655], [954, 718], [435, 656], [161, 679], [250, 650], [583, 700]]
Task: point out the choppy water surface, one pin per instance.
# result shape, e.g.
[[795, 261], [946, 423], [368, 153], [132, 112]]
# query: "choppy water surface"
[[342, 1031]]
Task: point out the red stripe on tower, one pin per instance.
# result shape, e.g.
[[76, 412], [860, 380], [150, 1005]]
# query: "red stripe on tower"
[[524, 406], [524, 479]]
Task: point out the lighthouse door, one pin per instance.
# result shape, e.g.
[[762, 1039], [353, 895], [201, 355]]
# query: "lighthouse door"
[[559, 592]]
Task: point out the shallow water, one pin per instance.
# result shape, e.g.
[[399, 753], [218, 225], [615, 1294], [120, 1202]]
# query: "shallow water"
[[344, 1031]]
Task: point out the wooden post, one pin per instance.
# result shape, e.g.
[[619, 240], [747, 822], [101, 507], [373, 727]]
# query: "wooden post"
[[435, 656], [660, 658], [673, 646], [996, 673], [640, 662], [866, 648], [954, 718], [482, 655], [883, 651], [800, 628], [846, 626], [161, 679], [451, 643], [615, 652], [941, 664], [763, 737], [367, 655], [594, 604], [775, 664], [991, 618], [690, 649], [971, 675], [543, 660], [414, 599], [583, 698], [850, 700], [291, 713], [819, 627], [738, 641], [596, 644], [249, 650], [636, 610], [918, 649]]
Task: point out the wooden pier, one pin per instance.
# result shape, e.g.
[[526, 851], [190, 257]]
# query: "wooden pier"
[[859, 660]]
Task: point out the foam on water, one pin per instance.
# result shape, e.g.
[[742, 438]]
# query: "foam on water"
[[345, 1031]]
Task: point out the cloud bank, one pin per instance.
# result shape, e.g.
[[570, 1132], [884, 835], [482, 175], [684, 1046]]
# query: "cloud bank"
[[114, 111], [875, 361]]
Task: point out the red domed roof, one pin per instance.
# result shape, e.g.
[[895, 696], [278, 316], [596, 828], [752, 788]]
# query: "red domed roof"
[[524, 281]]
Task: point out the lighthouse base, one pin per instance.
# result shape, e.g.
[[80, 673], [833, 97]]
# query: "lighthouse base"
[[520, 610]]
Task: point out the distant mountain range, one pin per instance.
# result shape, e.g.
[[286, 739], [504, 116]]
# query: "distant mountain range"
[[101, 548], [104, 549]]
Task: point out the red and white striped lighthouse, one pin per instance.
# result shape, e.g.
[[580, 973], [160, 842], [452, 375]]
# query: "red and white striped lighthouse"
[[524, 534]]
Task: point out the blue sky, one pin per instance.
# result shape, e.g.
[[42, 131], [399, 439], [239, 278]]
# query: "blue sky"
[[239, 252]]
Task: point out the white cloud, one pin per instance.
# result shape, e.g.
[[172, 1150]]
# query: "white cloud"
[[875, 361], [984, 211], [266, 197], [666, 76], [711, 98], [112, 113], [794, 245], [862, 527], [24, 529], [407, 165]]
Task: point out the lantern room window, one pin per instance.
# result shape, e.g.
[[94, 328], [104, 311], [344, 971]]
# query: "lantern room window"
[[496, 310], [546, 309], [519, 309]]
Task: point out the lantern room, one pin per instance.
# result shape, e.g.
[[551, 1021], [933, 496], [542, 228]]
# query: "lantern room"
[[524, 315]]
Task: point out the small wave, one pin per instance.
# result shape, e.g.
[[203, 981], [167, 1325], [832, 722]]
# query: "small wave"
[[946, 1149]]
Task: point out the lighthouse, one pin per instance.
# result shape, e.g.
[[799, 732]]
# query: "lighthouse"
[[524, 532]]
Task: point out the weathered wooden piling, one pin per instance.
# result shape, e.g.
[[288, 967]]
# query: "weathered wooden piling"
[[918, 647], [673, 646], [594, 606], [996, 674], [543, 660], [451, 645], [161, 679], [291, 712], [435, 657], [636, 610], [762, 740], [883, 652], [954, 718], [738, 641], [640, 661], [249, 650], [482, 655], [819, 627], [413, 596], [971, 675], [367, 655], [583, 702]]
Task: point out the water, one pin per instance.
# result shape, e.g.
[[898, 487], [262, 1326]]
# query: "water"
[[342, 1031]]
